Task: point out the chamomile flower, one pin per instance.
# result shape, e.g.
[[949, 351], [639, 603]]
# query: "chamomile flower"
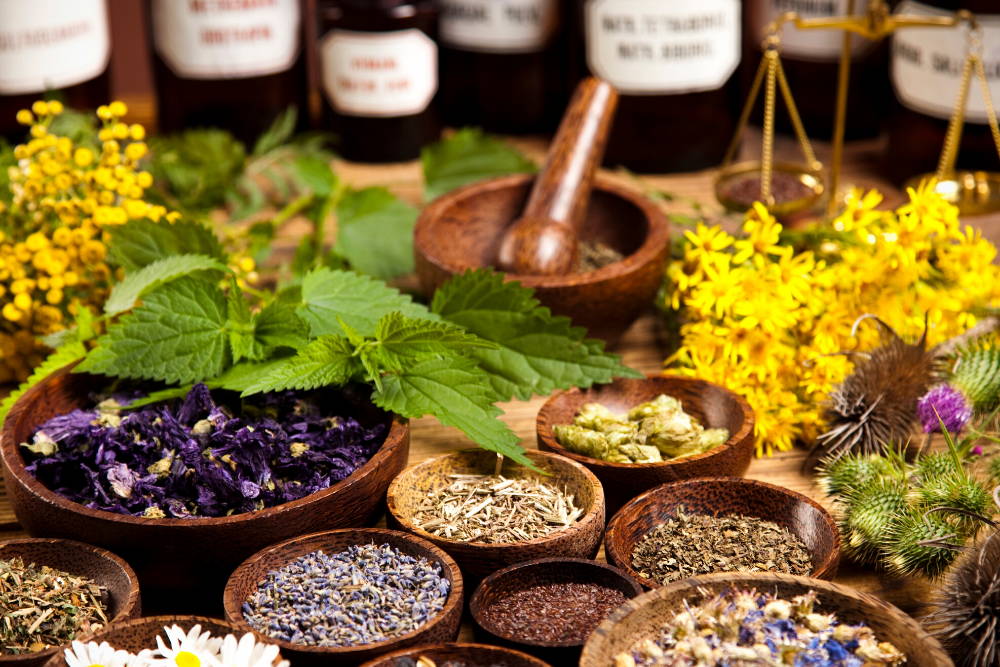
[[247, 652], [93, 654], [192, 649]]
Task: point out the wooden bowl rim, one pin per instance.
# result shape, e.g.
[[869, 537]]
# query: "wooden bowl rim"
[[403, 652], [14, 463], [233, 608], [580, 564], [656, 238], [825, 567], [594, 513], [734, 579], [129, 605], [543, 426]]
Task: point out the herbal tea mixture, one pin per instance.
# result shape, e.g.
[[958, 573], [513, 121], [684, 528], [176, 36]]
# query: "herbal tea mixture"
[[196, 458], [493, 509], [692, 544], [554, 612], [41, 607], [363, 595], [747, 627], [651, 432]]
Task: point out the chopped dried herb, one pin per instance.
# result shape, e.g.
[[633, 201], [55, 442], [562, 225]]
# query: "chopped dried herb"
[[593, 255]]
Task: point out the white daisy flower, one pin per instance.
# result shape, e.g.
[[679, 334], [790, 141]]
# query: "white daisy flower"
[[93, 654], [192, 649], [247, 652]]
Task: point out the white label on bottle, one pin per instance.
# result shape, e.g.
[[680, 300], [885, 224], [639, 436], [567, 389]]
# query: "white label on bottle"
[[927, 65], [381, 74], [498, 26], [226, 39], [816, 44], [656, 47], [50, 44]]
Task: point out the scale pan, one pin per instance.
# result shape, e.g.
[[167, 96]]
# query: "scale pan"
[[973, 192], [794, 187]]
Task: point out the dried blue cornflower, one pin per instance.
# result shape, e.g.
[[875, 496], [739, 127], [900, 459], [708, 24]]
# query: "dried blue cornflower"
[[196, 457]]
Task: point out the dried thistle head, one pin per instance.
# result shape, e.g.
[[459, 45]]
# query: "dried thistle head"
[[851, 472], [921, 543], [867, 514]]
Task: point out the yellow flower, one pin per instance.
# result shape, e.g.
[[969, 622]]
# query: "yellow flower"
[[118, 109], [10, 312], [83, 157], [55, 107], [40, 108], [25, 117]]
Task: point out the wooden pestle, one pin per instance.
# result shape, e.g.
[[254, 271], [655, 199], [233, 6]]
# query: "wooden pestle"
[[543, 241]]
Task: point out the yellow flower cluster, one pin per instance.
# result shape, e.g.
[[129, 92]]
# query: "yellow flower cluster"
[[768, 322]]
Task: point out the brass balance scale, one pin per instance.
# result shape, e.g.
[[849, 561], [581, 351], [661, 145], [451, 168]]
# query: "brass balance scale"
[[974, 192]]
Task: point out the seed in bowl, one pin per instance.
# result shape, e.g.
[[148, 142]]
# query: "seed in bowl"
[[553, 612], [651, 432]]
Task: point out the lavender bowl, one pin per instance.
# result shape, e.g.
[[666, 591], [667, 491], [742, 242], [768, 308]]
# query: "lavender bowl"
[[183, 563]]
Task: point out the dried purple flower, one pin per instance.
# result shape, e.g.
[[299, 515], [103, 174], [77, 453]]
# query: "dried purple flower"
[[946, 402]]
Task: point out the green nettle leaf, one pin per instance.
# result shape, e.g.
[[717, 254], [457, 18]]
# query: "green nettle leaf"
[[126, 293], [375, 232], [355, 299], [402, 339], [179, 335], [139, 243], [240, 326], [278, 325], [64, 355], [456, 391], [467, 156], [328, 360], [315, 173], [280, 131], [194, 169], [239, 377], [537, 352]]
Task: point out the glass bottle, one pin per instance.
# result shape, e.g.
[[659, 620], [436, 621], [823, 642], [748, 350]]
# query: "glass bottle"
[[225, 63], [379, 72], [674, 63], [502, 65], [925, 68], [52, 48]]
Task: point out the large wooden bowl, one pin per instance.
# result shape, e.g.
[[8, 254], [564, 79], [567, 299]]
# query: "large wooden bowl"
[[441, 628], [183, 563], [714, 406], [470, 655], [478, 560], [78, 559], [643, 616], [719, 496], [462, 230]]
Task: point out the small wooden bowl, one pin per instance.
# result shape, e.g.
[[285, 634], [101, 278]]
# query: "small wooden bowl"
[[244, 581], [542, 572], [714, 406], [719, 496], [141, 633], [478, 560], [79, 559], [182, 563], [470, 655], [462, 230], [645, 615]]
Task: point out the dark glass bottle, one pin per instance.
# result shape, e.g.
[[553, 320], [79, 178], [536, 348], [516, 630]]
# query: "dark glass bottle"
[[502, 67], [925, 68], [219, 63], [379, 71], [50, 48], [674, 63], [811, 62]]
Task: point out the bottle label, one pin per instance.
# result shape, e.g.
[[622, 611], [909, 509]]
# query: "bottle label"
[[498, 26], [927, 65], [663, 47], [226, 39], [381, 74], [51, 44], [819, 45]]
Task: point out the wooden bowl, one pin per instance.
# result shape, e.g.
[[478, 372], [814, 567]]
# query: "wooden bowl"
[[714, 406], [182, 563], [478, 560], [79, 559], [462, 230], [244, 581], [470, 655], [141, 633], [644, 615], [544, 571], [719, 496]]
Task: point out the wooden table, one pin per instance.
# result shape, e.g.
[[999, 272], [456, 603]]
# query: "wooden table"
[[640, 348]]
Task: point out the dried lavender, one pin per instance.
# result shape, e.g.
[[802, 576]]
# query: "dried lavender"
[[42, 607], [364, 595], [195, 457]]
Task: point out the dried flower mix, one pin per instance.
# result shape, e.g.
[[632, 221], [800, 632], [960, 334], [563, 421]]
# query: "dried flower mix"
[[363, 595], [693, 544], [195, 457], [751, 628], [493, 509], [41, 607], [651, 432]]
